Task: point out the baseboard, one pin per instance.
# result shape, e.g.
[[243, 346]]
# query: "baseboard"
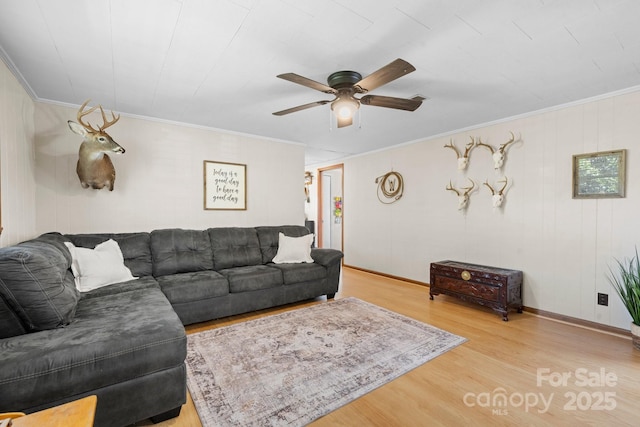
[[542, 313], [390, 276], [579, 322]]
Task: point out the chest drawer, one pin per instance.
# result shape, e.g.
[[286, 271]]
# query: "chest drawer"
[[483, 291]]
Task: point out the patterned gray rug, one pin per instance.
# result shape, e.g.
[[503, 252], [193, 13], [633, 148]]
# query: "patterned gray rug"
[[292, 368]]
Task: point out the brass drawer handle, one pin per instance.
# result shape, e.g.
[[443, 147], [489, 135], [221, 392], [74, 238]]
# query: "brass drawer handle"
[[465, 275]]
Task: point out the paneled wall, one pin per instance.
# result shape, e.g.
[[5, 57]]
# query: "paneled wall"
[[17, 160], [564, 245], [159, 179]]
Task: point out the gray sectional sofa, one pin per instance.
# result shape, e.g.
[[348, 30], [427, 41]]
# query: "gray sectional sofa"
[[125, 342]]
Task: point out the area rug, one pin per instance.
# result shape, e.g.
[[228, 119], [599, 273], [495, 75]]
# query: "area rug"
[[291, 368]]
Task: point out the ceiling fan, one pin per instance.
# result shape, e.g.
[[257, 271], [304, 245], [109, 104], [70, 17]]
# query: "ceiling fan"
[[346, 84]]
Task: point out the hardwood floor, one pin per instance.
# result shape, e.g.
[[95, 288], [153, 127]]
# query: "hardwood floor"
[[523, 361]]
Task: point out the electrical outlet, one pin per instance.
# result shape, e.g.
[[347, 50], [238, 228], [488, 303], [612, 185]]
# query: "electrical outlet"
[[603, 299]]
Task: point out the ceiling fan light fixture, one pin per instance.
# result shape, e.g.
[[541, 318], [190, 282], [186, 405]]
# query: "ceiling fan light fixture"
[[345, 107]]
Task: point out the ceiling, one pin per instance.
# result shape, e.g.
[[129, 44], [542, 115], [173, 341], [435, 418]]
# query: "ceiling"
[[214, 63]]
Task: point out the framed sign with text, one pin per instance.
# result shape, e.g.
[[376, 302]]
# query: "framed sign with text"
[[225, 186], [599, 175]]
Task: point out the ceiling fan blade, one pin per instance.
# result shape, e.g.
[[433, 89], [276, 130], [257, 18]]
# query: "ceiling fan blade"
[[344, 121], [384, 75], [391, 102], [300, 108], [295, 78]]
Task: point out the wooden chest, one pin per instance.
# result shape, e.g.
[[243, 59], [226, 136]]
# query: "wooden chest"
[[498, 288]]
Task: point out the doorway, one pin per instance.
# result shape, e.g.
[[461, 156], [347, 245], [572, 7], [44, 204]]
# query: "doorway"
[[331, 207]]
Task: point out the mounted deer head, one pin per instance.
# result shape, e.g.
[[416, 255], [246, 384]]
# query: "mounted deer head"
[[499, 154], [463, 160], [463, 198], [94, 166], [497, 197]]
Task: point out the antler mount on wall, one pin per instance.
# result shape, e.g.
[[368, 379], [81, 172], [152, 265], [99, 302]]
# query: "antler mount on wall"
[[463, 196], [497, 195], [463, 159], [94, 167], [498, 155]]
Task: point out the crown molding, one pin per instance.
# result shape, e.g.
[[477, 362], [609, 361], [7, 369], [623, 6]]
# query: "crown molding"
[[17, 74]]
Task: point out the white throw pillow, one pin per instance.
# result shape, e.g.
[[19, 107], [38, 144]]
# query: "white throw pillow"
[[94, 268], [293, 249]]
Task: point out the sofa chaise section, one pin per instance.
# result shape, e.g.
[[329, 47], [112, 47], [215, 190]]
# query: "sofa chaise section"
[[123, 342], [127, 348]]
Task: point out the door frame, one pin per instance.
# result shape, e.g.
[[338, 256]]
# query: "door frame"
[[320, 202]]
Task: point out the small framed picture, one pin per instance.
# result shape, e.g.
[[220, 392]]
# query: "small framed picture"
[[225, 186], [599, 175]]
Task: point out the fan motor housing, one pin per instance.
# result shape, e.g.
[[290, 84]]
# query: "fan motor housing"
[[341, 79]]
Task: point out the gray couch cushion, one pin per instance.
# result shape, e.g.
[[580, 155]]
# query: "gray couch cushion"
[[145, 282], [112, 339], [252, 278], [234, 247], [134, 246], [10, 324], [36, 282], [268, 237], [180, 251], [196, 286], [55, 239]]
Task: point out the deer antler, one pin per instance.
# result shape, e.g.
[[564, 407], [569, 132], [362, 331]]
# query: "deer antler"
[[107, 123], [493, 192], [450, 187], [82, 113], [506, 181], [485, 145], [453, 147], [469, 146], [499, 192], [504, 146], [469, 189], [87, 126]]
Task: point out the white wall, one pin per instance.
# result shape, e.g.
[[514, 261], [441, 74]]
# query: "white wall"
[[159, 180], [563, 245], [17, 161]]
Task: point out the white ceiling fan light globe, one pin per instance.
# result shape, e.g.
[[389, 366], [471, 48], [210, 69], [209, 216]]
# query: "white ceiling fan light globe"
[[345, 108], [345, 111]]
